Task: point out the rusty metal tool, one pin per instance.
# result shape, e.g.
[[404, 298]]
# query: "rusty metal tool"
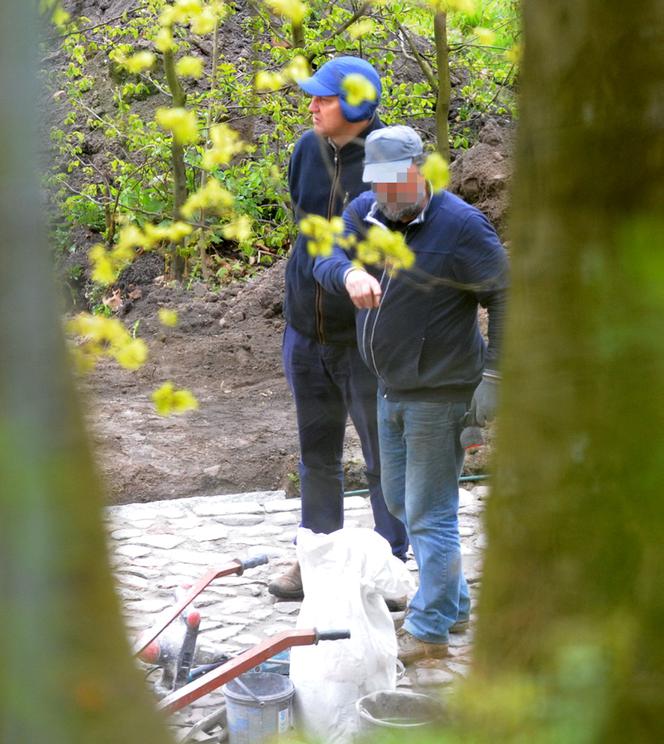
[[244, 662], [236, 566]]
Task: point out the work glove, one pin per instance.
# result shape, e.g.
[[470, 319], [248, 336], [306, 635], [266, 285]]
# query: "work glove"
[[485, 400], [482, 410], [471, 434]]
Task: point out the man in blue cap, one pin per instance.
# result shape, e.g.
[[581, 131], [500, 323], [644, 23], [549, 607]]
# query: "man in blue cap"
[[326, 375], [418, 331]]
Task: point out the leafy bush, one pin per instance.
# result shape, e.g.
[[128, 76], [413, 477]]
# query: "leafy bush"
[[117, 76]]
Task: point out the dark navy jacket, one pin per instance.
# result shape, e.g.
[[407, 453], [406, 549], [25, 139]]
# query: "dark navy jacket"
[[423, 341], [322, 180]]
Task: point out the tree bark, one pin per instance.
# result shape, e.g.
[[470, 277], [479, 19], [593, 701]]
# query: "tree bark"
[[444, 85], [177, 158], [576, 520], [66, 675]]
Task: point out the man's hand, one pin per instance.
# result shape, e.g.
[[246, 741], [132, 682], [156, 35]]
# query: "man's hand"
[[471, 434], [485, 400], [362, 288]]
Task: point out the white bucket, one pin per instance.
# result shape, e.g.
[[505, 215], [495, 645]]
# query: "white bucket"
[[396, 709]]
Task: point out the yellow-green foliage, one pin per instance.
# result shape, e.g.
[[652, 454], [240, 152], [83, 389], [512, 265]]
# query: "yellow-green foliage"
[[169, 401]]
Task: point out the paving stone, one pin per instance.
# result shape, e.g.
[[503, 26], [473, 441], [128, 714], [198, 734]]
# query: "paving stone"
[[208, 532], [240, 520], [253, 546], [284, 518], [482, 492], [162, 542], [458, 668], [125, 533], [474, 509], [466, 498], [180, 581], [262, 530], [247, 639], [132, 551], [274, 629], [288, 608], [222, 630], [289, 505], [130, 595], [131, 581], [187, 523], [458, 640], [433, 677], [151, 606], [238, 605], [212, 508], [197, 557]]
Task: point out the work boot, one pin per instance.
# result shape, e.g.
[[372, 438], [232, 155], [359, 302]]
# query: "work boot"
[[412, 649], [397, 605], [460, 626], [398, 619], [288, 585]]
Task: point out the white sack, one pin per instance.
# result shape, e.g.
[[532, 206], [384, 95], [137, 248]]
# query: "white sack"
[[345, 575]]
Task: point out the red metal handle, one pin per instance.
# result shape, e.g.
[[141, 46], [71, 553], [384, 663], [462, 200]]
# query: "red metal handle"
[[238, 665], [235, 566]]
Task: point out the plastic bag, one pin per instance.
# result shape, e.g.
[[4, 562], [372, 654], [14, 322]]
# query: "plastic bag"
[[345, 575]]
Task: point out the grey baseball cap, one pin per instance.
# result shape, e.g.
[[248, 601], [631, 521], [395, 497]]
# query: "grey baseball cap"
[[389, 152]]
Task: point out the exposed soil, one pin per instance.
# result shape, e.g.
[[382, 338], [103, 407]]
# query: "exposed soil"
[[226, 348]]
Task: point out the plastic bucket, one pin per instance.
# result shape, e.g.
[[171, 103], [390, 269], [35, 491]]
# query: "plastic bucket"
[[396, 709], [259, 705]]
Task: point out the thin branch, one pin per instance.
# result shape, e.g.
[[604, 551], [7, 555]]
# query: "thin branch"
[[464, 45], [90, 198], [83, 31], [268, 19], [424, 65], [362, 10]]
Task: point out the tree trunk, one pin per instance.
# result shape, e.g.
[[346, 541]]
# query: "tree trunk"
[[177, 158], [576, 520], [66, 673], [444, 85], [298, 36]]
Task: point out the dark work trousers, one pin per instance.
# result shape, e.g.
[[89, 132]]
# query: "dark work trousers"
[[329, 382]]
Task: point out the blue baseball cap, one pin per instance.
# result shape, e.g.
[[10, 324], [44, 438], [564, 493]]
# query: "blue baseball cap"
[[389, 152], [328, 79]]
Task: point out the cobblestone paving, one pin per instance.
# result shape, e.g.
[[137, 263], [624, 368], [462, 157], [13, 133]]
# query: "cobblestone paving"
[[159, 546]]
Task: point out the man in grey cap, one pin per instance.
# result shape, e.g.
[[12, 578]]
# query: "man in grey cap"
[[328, 379], [418, 332]]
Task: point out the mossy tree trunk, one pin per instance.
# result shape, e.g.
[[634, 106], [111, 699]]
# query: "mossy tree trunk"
[[66, 673], [576, 521]]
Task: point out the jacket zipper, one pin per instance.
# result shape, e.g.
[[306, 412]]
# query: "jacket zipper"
[[320, 323], [368, 350]]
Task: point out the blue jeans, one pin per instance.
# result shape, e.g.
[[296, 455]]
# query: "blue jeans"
[[421, 463], [328, 383]]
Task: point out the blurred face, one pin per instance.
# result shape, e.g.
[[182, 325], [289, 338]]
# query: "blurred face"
[[404, 200], [328, 119]]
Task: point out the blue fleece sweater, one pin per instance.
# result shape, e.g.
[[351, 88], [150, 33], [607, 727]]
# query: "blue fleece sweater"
[[423, 341], [322, 180]]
